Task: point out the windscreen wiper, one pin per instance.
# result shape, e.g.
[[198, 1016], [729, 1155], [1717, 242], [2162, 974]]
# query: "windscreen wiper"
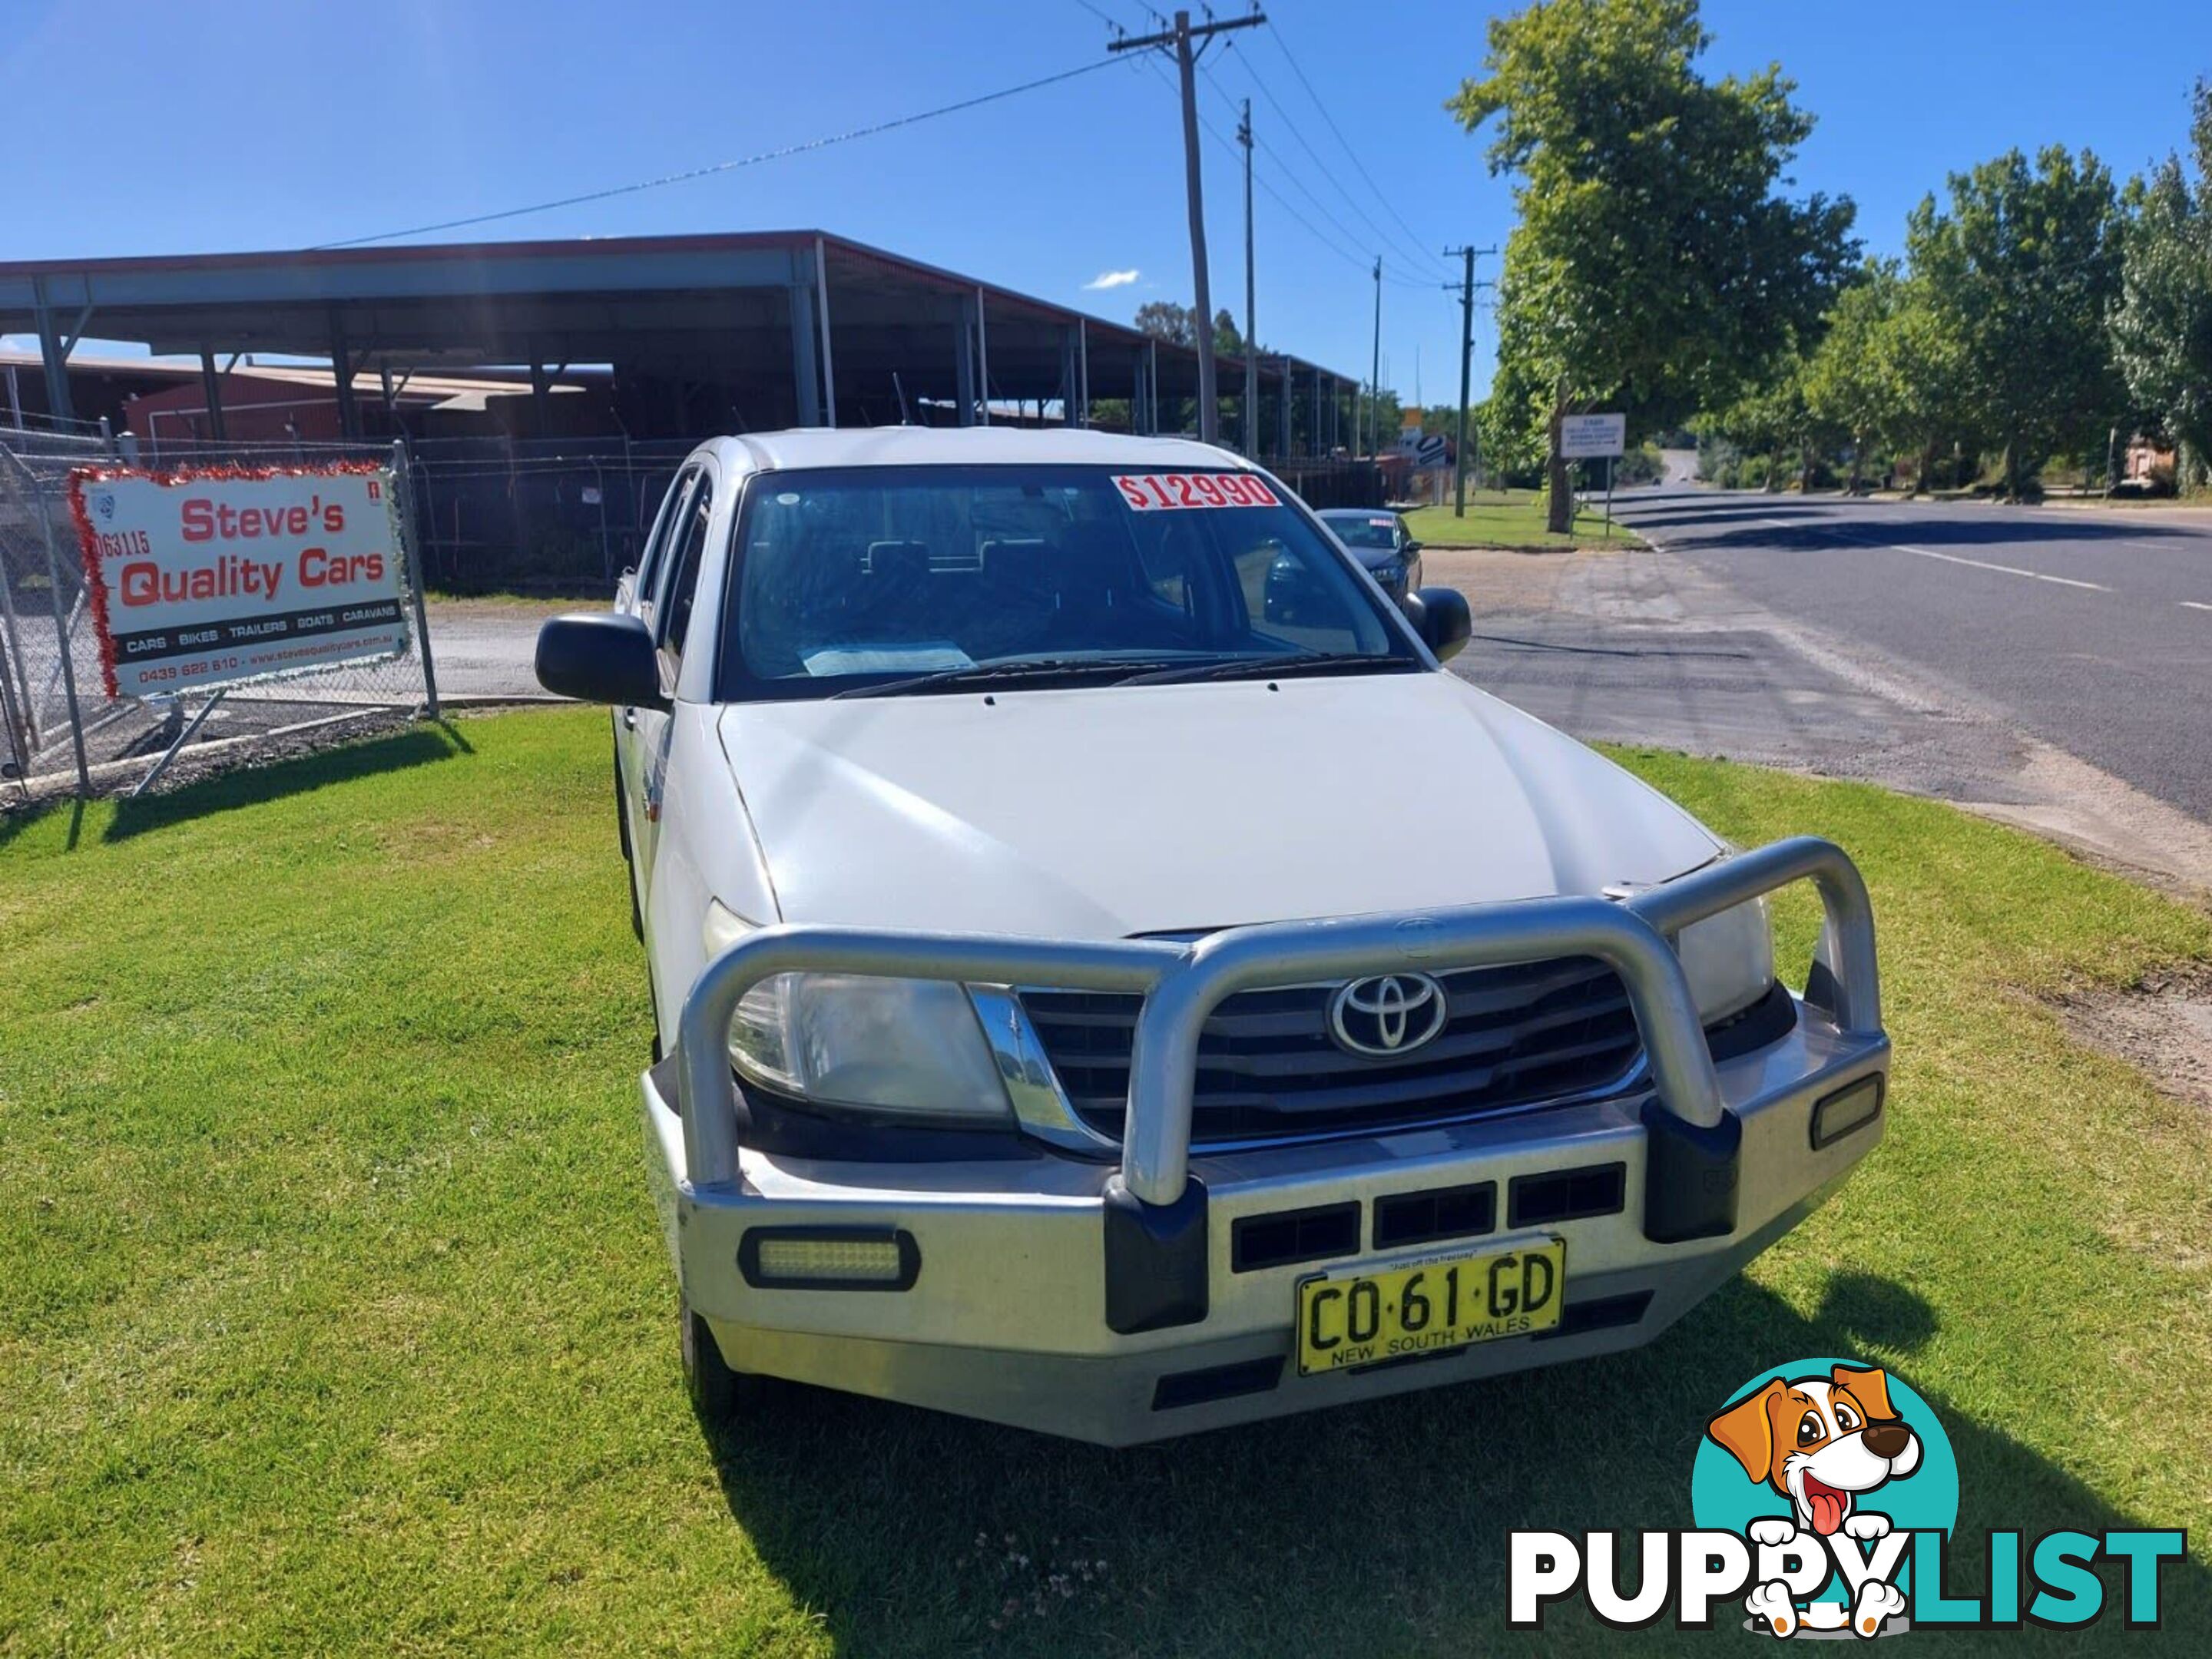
[[992, 673], [1295, 662]]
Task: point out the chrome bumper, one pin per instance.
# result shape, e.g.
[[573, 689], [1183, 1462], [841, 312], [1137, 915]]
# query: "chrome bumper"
[[1109, 1303]]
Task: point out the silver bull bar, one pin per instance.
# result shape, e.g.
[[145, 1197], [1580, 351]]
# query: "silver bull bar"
[[1182, 984]]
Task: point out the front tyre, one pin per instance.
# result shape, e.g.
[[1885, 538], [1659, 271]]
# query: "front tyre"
[[718, 1394]]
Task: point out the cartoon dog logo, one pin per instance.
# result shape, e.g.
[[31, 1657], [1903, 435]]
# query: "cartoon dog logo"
[[1823, 1442]]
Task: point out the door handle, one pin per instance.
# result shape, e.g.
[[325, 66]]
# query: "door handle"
[[630, 719]]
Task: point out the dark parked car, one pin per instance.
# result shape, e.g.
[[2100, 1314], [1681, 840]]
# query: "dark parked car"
[[1380, 541]]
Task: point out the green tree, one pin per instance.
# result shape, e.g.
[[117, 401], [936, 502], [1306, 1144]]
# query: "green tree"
[[1926, 365], [1852, 385], [2162, 324], [1164, 320], [1654, 267], [2021, 270], [1772, 418]]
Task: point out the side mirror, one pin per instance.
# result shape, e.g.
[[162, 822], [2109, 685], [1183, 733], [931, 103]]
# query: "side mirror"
[[1440, 615], [600, 656], [1409, 549]]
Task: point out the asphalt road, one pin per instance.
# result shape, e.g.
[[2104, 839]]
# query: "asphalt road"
[[2089, 630]]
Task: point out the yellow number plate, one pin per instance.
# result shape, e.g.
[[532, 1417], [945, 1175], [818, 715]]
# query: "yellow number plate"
[[1363, 1315]]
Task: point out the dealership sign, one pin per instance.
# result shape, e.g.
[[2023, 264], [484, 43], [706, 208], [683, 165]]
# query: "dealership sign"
[[208, 577]]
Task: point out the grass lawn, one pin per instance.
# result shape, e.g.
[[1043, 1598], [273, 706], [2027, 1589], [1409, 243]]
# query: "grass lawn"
[[1508, 519], [336, 1320]]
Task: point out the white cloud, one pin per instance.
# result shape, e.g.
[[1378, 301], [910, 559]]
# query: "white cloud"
[[1112, 279]]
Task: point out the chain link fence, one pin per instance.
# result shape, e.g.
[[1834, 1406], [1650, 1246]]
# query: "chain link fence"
[[563, 516], [63, 733]]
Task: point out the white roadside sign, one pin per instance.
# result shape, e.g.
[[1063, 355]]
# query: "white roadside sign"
[[1585, 437], [207, 578]]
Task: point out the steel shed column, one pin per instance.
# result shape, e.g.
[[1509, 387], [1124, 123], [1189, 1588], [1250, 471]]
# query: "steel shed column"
[[541, 394], [1152, 385], [983, 363], [806, 373], [342, 379], [963, 365], [211, 389], [1083, 364], [822, 319], [1068, 377], [1286, 416], [51, 354]]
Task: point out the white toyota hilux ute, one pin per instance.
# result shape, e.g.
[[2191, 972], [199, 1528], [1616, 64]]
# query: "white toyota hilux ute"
[[1110, 979]]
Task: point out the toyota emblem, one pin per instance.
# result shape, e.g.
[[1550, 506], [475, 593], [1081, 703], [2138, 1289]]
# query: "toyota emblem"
[[1387, 1016]]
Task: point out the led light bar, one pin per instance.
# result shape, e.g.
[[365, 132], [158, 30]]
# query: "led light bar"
[[1846, 1111], [829, 1259]]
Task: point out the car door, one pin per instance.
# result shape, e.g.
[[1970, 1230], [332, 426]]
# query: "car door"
[[670, 621], [639, 600]]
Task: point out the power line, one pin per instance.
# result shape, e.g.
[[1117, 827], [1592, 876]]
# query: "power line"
[[1283, 46], [1346, 249], [724, 167], [1359, 262], [1397, 249], [1350, 235]]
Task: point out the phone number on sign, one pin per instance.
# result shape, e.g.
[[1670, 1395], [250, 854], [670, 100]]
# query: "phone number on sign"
[[1153, 492]]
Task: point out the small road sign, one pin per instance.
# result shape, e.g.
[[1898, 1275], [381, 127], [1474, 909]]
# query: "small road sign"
[[1585, 437]]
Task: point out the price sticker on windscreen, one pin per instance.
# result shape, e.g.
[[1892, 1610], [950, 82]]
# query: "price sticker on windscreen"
[[1168, 492]]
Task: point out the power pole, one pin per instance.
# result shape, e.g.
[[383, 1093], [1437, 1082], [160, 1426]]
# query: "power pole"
[[1181, 37], [1465, 357], [1251, 339], [1375, 374]]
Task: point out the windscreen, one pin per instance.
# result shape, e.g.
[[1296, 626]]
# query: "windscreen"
[[851, 573], [1362, 529]]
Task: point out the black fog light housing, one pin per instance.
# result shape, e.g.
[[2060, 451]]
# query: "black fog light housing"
[[1846, 1111], [829, 1258]]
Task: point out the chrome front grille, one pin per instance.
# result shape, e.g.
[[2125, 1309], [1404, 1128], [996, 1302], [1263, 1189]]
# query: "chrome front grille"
[[1268, 1068]]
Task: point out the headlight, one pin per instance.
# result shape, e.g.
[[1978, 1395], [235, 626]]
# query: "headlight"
[[1728, 959], [909, 1047]]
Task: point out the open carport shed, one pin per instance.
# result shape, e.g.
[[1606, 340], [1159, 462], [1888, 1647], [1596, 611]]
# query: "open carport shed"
[[706, 333]]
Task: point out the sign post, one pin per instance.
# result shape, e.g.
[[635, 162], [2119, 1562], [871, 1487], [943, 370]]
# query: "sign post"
[[1587, 437]]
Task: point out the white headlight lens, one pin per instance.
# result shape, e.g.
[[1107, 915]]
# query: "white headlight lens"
[[1728, 959], [909, 1046]]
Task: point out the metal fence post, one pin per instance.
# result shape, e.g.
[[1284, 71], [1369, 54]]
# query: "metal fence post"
[[62, 628], [606, 553], [24, 719], [402, 475]]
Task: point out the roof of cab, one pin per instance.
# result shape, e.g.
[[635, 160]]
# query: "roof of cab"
[[971, 445]]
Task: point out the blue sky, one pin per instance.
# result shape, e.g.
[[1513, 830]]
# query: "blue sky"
[[246, 124]]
